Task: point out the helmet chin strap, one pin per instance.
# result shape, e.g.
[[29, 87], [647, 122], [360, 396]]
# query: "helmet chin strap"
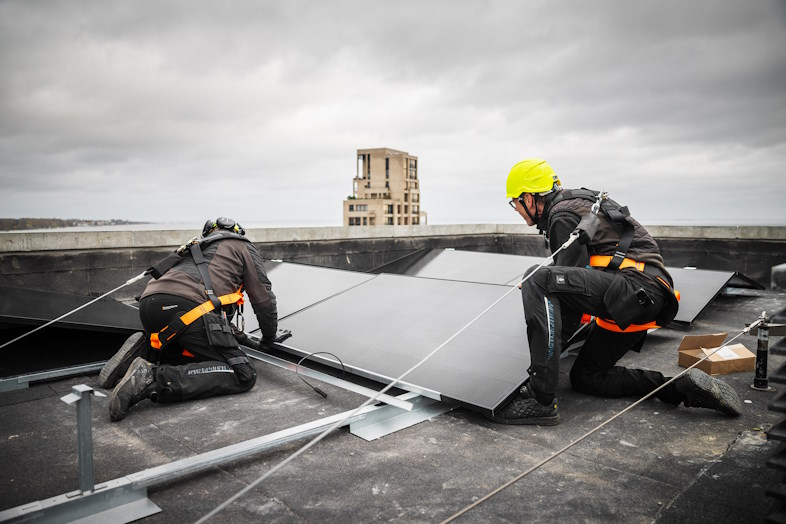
[[535, 219]]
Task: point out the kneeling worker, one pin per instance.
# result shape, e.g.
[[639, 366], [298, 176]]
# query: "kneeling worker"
[[615, 273], [189, 349]]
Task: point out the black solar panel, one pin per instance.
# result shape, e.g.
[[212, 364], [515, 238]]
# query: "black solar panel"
[[31, 306], [697, 286], [298, 286], [386, 325], [381, 326], [472, 266]]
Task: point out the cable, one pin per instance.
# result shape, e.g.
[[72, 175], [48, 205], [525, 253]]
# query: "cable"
[[590, 432], [549, 260], [319, 391], [128, 282]]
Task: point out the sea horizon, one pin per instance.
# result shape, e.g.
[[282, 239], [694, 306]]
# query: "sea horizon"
[[177, 226]]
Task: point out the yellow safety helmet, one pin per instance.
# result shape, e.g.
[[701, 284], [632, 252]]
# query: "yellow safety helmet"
[[533, 175]]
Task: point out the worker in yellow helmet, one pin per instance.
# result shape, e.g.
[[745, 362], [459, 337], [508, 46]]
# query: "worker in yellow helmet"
[[615, 273], [528, 182]]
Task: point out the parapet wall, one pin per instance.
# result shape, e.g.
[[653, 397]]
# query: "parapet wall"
[[93, 262]]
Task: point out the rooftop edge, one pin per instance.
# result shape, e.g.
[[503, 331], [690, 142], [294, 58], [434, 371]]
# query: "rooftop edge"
[[80, 240]]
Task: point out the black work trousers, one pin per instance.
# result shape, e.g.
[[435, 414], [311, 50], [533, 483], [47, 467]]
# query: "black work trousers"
[[555, 299], [189, 367]]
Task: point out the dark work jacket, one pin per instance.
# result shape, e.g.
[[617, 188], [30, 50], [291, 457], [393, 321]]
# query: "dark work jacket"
[[560, 220], [232, 261]]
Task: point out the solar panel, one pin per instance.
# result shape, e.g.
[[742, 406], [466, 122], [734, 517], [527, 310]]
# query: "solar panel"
[[32, 306], [472, 266], [384, 326], [298, 286], [697, 286], [380, 326]]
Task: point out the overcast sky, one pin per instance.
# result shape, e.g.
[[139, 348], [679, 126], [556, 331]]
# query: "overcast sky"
[[184, 110]]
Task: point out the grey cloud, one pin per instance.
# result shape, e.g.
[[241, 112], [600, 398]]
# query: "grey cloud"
[[276, 96]]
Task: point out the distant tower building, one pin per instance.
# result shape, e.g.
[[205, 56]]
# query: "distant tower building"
[[385, 190]]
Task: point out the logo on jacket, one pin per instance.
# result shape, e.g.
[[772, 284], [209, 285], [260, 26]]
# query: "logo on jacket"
[[164, 308]]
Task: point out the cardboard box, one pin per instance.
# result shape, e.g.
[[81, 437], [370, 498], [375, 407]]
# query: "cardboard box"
[[731, 359]]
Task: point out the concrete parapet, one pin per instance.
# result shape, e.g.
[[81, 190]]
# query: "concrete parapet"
[[90, 262], [11, 242], [22, 241], [719, 232]]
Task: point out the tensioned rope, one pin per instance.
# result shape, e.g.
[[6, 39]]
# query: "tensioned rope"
[[590, 432], [573, 237]]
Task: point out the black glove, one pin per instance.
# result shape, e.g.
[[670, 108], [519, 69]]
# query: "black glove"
[[281, 335]]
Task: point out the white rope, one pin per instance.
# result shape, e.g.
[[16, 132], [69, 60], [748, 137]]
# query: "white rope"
[[128, 282], [341, 422], [590, 432]]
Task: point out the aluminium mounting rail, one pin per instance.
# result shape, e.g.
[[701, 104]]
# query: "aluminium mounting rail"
[[125, 499]]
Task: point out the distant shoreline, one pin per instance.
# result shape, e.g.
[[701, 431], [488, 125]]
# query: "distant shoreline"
[[78, 225], [45, 224]]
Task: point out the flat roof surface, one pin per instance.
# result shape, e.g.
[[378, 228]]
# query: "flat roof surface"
[[655, 463]]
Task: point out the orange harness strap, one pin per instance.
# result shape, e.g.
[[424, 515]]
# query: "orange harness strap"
[[167, 333], [601, 261], [610, 325]]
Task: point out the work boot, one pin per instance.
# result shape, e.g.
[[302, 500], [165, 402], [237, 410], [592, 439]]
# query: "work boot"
[[135, 346], [703, 391], [525, 410], [137, 384]]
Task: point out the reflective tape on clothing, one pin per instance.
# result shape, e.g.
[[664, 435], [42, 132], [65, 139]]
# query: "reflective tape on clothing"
[[550, 325], [211, 369]]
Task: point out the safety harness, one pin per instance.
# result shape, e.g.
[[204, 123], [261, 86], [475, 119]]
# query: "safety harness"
[[618, 217], [602, 262], [168, 333]]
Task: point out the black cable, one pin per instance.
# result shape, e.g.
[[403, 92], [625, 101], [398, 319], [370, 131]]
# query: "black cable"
[[319, 391]]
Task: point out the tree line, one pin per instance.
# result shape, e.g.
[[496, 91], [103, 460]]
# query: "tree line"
[[18, 224]]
